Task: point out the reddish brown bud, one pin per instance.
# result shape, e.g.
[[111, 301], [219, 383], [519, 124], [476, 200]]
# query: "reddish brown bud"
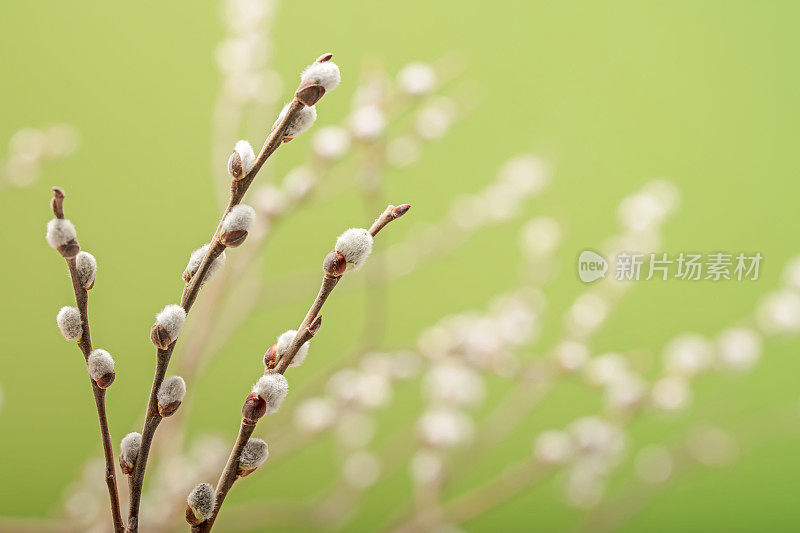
[[187, 276], [233, 238], [270, 357], [235, 166], [106, 380], [191, 518], [254, 407], [57, 202], [400, 210], [315, 325], [168, 409], [309, 92], [160, 337], [335, 264], [245, 472], [126, 468], [70, 249], [324, 57]]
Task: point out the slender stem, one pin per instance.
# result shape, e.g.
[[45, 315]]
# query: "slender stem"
[[190, 292], [305, 332], [229, 474], [85, 345]]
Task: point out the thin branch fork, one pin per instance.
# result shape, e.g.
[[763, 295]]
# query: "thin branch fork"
[[85, 345], [190, 293], [308, 328]]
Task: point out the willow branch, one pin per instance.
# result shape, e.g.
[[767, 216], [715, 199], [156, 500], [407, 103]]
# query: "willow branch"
[[190, 293], [308, 328], [85, 345]]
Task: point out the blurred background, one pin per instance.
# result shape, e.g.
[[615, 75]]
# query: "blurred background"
[[462, 379]]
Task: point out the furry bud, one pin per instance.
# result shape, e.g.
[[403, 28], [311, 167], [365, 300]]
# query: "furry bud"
[[170, 395], [253, 455], [318, 78], [242, 160], [271, 356], [100, 365], [129, 451], [272, 388], [201, 503], [169, 323], [69, 322], [254, 408], [62, 236], [417, 79], [335, 264], [236, 225], [282, 346], [304, 119], [197, 258], [87, 267], [355, 245], [367, 123]]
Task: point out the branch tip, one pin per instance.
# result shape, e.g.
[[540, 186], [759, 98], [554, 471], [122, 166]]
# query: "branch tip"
[[400, 210], [57, 202]]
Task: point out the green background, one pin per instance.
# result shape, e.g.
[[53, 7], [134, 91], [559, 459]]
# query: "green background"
[[611, 93]]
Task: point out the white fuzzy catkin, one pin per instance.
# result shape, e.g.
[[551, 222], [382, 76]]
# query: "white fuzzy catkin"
[[69, 322], [355, 245], [285, 340], [417, 78], [367, 123], [326, 74], [87, 267], [254, 453], [172, 319], [246, 155], [241, 217], [129, 447], [172, 390], [331, 142], [304, 119], [197, 258], [59, 232], [202, 500], [272, 388], [99, 364]]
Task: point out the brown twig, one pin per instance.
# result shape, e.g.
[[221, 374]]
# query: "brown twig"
[[85, 345], [190, 292], [308, 328]]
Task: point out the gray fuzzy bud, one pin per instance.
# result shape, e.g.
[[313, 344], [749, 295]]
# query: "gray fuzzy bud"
[[87, 267], [272, 388], [304, 119], [355, 245], [196, 258], [69, 322], [240, 218], [254, 453], [60, 231], [284, 341], [325, 74], [202, 501], [171, 392], [129, 451], [100, 365], [171, 319]]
